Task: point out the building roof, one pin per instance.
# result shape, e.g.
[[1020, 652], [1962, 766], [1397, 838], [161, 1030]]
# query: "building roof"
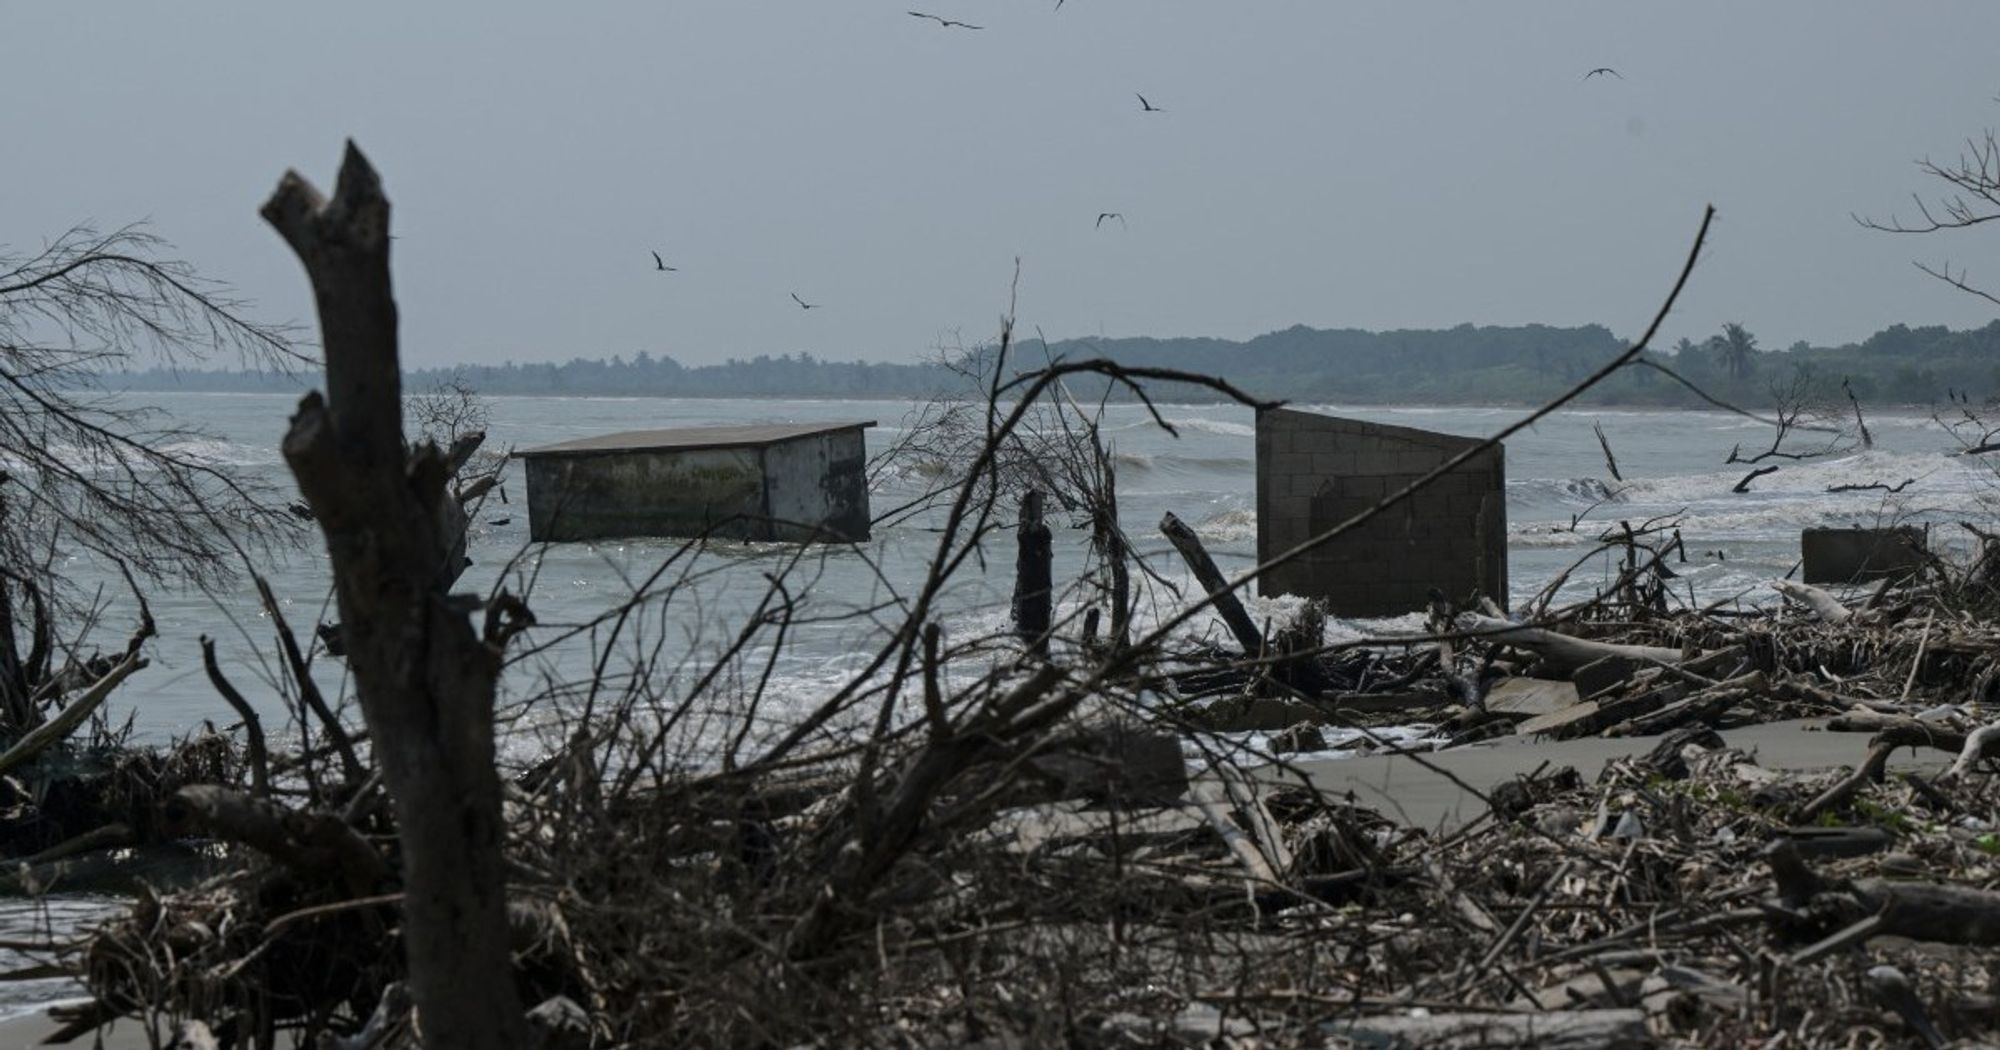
[[681, 439]]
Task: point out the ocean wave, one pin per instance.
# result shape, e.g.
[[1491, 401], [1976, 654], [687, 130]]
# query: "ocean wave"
[[1580, 491], [1934, 473], [1167, 462], [1230, 526], [1224, 427]]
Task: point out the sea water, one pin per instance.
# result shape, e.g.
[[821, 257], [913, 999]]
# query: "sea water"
[[1673, 465]]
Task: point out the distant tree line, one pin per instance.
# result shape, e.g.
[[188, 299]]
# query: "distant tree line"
[[1466, 364]]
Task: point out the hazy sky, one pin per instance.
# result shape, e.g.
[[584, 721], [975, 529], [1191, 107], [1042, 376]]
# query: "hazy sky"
[[1320, 163]]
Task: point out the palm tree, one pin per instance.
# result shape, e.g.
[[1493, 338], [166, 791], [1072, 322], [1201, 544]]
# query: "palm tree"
[[1739, 349]]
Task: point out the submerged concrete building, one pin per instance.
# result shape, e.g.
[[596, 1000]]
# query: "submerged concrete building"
[[1314, 472], [794, 482]]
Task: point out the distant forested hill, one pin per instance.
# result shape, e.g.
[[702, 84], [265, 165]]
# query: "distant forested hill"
[[1490, 364]]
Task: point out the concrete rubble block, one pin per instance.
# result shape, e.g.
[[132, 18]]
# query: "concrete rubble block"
[[1858, 554]]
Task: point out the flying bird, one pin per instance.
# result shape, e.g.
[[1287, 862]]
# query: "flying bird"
[[1601, 70], [945, 22], [1103, 215], [1147, 107], [662, 264], [803, 305]]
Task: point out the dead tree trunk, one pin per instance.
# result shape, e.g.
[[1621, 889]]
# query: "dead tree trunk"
[[1226, 603], [424, 676], [1034, 575]]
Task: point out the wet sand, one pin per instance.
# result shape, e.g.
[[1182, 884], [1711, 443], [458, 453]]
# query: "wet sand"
[[1404, 790], [18, 1033]]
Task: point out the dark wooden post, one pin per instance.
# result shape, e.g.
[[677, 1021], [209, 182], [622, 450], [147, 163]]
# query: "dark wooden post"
[[1034, 575], [424, 676], [1203, 566]]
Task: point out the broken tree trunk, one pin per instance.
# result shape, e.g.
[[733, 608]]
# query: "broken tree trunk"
[[1034, 575], [424, 676], [1225, 601]]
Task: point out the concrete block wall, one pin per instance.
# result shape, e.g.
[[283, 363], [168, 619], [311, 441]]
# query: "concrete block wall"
[[1314, 472], [812, 488]]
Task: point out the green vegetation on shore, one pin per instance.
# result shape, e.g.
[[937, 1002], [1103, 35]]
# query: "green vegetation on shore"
[[1486, 364]]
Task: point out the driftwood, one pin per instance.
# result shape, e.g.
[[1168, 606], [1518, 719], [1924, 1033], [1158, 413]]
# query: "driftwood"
[[1896, 733], [1547, 1030], [1943, 913], [313, 845], [1823, 605], [1978, 744], [1225, 601], [424, 676], [58, 729], [1560, 650], [1744, 485], [1702, 706]]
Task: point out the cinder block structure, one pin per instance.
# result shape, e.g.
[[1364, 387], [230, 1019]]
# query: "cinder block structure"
[[1855, 555], [1314, 472], [792, 482]]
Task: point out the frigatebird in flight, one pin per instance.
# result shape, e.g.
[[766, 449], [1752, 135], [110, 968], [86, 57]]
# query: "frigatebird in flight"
[[1103, 215], [803, 305], [1601, 70], [945, 22], [662, 264], [1147, 107]]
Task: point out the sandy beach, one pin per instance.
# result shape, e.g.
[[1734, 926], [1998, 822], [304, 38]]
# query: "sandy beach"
[[1405, 790], [29, 1030]]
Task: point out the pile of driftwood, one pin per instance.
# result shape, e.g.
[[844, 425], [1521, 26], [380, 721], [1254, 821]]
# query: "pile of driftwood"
[[1628, 661], [1032, 861]]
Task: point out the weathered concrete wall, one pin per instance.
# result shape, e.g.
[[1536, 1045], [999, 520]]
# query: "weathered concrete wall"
[[1849, 555], [1314, 472], [817, 487], [647, 493]]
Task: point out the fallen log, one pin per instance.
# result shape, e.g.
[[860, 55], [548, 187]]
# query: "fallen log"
[[1942, 913], [1823, 605], [1546, 1030], [311, 845], [1561, 650], [1703, 706]]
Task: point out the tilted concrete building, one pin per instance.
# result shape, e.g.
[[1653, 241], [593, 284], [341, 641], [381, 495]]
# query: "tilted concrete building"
[[1314, 472], [794, 482]]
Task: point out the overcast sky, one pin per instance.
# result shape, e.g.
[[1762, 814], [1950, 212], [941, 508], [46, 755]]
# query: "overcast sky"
[[1319, 163]]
